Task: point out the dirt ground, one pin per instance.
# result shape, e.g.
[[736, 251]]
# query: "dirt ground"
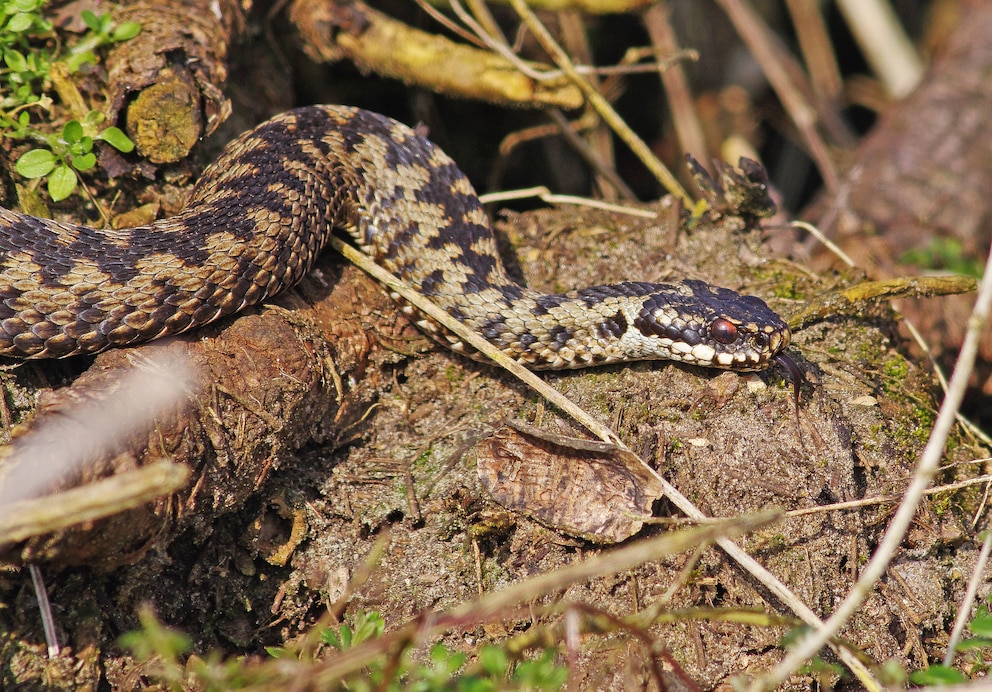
[[340, 463]]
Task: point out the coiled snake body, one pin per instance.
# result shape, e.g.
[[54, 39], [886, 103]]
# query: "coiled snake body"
[[260, 215]]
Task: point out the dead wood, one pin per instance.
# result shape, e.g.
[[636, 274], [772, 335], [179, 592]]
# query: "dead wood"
[[171, 76], [376, 42]]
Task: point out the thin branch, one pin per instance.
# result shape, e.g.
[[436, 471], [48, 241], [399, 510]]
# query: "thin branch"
[[885, 499], [544, 194], [684, 116], [884, 44], [778, 68], [47, 619]]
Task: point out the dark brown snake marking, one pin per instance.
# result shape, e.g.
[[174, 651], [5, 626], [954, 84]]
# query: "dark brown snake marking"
[[260, 215]]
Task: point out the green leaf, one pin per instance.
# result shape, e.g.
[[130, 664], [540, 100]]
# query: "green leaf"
[[155, 639], [974, 643], [36, 163], [346, 637], [981, 626], [280, 652], [75, 62], [330, 636], [15, 60], [368, 625], [493, 660], [19, 23], [338, 638], [125, 31], [794, 636], [82, 146], [72, 131], [937, 675], [61, 183], [541, 672], [84, 162], [26, 5], [117, 139], [91, 20]]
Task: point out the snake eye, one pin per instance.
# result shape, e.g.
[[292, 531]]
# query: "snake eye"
[[724, 331]]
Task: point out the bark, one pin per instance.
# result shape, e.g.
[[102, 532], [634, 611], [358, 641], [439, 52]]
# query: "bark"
[[171, 76]]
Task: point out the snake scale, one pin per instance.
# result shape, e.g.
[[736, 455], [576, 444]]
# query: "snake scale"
[[259, 216]]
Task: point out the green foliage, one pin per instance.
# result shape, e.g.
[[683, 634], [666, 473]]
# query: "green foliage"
[[824, 671], [386, 662], [938, 674], [102, 32], [28, 50], [541, 674], [156, 642], [23, 68], [367, 626], [161, 651], [947, 254], [981, 625], [446, 669], [69, 152]]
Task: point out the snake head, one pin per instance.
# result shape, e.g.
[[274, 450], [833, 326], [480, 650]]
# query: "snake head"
[[697, 323]]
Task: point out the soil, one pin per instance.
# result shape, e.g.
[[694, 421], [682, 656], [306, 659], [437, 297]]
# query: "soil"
[[340, 462]]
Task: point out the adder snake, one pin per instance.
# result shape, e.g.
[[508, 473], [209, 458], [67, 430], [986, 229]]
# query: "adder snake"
[[259, 216]]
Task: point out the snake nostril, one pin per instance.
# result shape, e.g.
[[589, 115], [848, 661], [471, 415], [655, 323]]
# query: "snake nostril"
[[723, 330]]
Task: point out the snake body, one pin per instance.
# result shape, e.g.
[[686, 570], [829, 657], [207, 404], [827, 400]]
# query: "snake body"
[[259, 216]]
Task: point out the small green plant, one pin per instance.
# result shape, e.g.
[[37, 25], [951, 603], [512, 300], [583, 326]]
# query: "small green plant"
[[164, 653], [103, 31], [367, 626], [948, 254], [156, 642], [68, 152], [29, 48], [23, 67], [939, 674], [825, 672]]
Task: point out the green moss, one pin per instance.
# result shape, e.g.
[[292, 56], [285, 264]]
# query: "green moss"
[[454, 373], [423, 459], [942, 503], [895, 368], [786, 290], [776, 542]]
